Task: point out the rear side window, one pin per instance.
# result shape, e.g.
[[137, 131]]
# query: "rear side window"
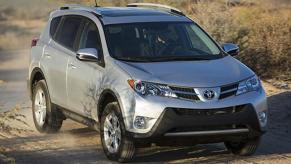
[[68, 32], [54, 25]]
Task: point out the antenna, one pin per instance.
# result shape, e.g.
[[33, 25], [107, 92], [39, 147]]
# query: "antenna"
[[96, 3]]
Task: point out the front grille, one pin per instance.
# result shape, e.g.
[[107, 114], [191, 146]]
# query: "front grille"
[[208, 112], [190, 94], [185, 93], [182, 89], [228, 87], [228, 94], [187, 96], [228, 90]]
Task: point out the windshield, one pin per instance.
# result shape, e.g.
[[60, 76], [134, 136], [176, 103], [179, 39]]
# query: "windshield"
[[160, 42]]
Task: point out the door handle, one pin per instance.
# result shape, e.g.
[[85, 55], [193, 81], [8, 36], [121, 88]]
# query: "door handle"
[[46, 55], [71, 65]]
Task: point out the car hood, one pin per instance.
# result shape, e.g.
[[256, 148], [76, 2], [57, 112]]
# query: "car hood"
[[203, 73]]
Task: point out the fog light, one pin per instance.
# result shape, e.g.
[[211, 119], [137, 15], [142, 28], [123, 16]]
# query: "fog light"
[[263, 117], [139, 122]]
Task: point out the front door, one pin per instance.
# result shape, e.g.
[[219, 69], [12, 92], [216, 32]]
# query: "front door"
[[83, 76]]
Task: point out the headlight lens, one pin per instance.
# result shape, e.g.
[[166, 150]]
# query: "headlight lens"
[[151, 89], [251, 84]]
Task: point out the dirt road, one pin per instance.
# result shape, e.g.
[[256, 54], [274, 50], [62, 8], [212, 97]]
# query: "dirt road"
[[77, 144], [13, 73]]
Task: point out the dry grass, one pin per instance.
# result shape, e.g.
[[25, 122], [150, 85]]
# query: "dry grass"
[[17, 34], [263, 32]]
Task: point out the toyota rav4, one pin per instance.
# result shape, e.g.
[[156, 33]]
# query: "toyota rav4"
[[141, 75]]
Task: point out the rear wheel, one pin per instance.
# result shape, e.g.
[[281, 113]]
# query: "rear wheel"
[[116, 144], [47, 119], [243, 148]]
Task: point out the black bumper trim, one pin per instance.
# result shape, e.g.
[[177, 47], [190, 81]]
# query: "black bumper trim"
[[173, 122], [210, 132]]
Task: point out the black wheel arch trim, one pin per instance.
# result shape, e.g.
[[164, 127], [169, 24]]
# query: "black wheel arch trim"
[[101, 99], [31, 77]]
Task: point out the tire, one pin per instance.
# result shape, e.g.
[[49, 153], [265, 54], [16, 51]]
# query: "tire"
[[244, 148], [46, 117], [123, 149]]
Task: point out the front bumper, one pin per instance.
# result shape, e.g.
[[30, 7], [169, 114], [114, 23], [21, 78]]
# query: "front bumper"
[[180, 122], [165, 119]]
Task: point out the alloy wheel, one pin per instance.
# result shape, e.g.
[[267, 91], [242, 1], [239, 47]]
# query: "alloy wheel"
[[40, 107], [112, 132]]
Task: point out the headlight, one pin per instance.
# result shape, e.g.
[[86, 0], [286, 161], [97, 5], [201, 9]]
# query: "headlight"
[[151, 89], [251, 84]]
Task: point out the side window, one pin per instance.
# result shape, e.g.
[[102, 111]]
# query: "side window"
[[68, 32], [54, 25], [90, 37]]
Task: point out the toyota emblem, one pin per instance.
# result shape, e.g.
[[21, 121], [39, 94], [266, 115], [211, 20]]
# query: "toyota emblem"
[[209, 94]]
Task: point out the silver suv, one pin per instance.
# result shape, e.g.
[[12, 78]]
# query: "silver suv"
[[143, 74]]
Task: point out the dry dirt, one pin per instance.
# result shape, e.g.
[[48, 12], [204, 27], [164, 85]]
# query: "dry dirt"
[[77, 144]]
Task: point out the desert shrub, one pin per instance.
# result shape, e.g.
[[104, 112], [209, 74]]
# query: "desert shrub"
[[26, 9], [262, 32], [6, 12], [216, 19], [268, 41], [269, 44]]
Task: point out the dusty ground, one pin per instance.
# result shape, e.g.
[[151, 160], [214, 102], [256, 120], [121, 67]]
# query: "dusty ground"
[[78, 144]]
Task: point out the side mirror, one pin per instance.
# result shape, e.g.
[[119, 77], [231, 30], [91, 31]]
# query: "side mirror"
[[231, 49], [88, 54]]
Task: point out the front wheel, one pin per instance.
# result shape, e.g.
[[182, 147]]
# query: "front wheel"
[[243, 148], [116, 144]]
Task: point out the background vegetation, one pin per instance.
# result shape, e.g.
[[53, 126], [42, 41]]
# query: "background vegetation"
[[262, 28]]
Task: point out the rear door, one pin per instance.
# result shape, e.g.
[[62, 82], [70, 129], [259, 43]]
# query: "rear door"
[[57, 53], [84, 77]]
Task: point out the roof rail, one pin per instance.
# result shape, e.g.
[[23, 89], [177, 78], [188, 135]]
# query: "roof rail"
[[80, 7], [164, 7]]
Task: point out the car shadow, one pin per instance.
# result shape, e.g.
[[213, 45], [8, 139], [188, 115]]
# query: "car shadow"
[[210, 153]]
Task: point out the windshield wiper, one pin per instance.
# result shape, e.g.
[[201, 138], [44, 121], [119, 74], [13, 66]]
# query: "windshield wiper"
[[181, 58], [168, 58], [134, 59]]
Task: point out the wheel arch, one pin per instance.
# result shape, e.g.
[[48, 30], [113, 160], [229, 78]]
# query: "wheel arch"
[[107, 96], [36, 75]]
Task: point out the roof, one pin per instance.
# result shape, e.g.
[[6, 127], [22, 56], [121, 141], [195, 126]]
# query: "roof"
[[119, 15], [127, 11]]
